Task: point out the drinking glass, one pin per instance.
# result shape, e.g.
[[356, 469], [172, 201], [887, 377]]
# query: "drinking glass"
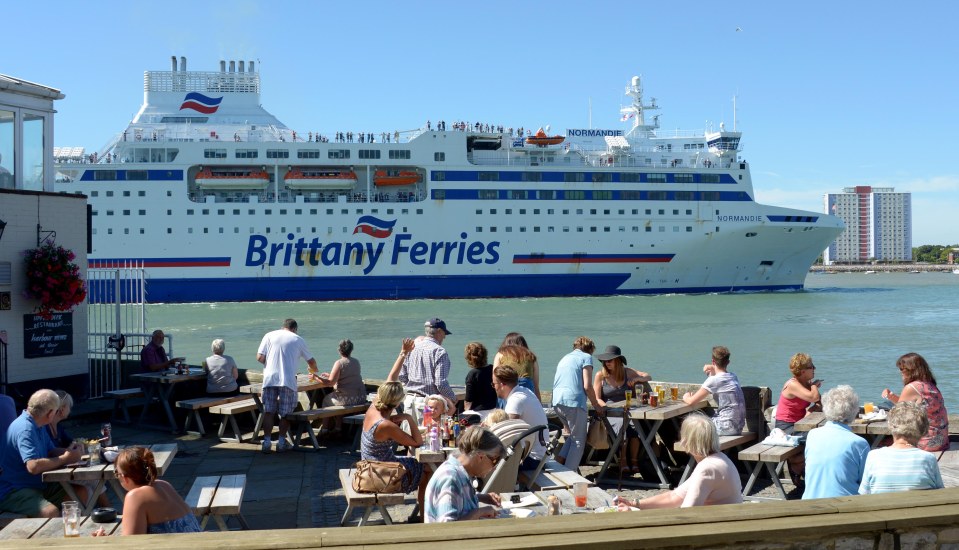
[[579, 493], [868, 408], [674, 393], [71, 518], [93, 449]]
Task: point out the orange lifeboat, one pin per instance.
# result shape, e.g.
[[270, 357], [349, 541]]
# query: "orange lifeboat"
[[542, 140], [319, 178], [383, 178], [232, 178]]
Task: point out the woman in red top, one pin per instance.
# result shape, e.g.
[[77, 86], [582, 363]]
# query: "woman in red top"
[[798, 393], [919, 385]]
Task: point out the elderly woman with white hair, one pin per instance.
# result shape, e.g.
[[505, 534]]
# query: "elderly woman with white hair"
[[835, 457], [221, 372], [714, 481], [902, 466]]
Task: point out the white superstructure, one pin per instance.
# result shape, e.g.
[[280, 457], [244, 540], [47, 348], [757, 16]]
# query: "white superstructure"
[[220, 201]]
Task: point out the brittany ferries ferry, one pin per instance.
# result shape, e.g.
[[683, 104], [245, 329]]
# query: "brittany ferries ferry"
[[220, 201]]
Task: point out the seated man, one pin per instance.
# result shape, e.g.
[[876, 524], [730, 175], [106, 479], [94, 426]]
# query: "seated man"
[[153, 357], [835, 457], [521, 403], [26, 452]]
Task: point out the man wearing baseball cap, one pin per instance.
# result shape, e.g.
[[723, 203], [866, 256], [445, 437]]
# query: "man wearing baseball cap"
[[426, 369]]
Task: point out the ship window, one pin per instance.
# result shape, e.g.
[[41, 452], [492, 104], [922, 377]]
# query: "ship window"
[[689, 229], [574, 195], [344, 211], [675, 212], [189, 212], [492, 229], [605, 230], [169, 193], [214, 153], [126, 193], [206, 230], [105, 175], [602, 195], [535, 229], [573, 176], [329, 211], [439, 194], [630, 195], [631, 177], [683, 178], [94, 193], [308, 154], [439, 175], [439, 157], [675, 229], [649, 229], [522, 229], [488, 194], [400, 154], [662, 229], [247, 153], [600, 177], [221, 212], [405, 211], [126, 212], [189, 230], [492, 211], [236, 230], [532, 176], [522, 211], [579, 229], [689, 212], [549, 211], [419, 210], [656, 196], [535, 211], [142, 212], [509, 229], [479, 211], [488, 176], [369, 153], [648, 211], [546, 195], [283, 211], [137, 175], [206, 212], [710, 178], [592, 211], [565, 229], [277, 154], [141, 193], [389, 211], [685, 196], [508, 211], [565, 212], [312, 211], [169, 230], [268, 211], [662, 212], [519, 194], [656, 178], [479, 229], [251, 212]]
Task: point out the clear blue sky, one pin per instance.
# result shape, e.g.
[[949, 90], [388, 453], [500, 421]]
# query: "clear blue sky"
[[830, 94]]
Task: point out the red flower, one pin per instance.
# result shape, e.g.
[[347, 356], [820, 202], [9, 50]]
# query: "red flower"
[[53, 279]]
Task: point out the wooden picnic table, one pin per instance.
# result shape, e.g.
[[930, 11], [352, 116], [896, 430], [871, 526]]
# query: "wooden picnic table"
[[304, 383], [52, 528], [595, 498], [873, 431], [647, 421], [160, 384], [104, 474]]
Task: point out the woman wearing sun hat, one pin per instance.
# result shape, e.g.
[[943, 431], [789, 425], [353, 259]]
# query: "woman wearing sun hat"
[[611, 384]]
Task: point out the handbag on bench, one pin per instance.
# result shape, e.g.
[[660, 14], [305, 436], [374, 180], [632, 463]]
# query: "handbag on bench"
[[373, 476]]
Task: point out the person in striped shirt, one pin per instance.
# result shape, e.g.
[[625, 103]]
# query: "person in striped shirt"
[[902, 466]]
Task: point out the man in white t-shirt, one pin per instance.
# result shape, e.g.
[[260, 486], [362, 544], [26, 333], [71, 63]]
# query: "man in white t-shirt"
[[521, 403], [279, 352]]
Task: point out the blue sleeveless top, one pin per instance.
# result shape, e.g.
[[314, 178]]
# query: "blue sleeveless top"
[[183, 524]]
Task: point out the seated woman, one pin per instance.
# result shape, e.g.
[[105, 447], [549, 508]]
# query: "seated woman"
[[611, 384], [221, 372], [382, 431], [730, 415], [520, 357], [151, 505], [902, 466], [714, 481], [920, 385], [834, 455], [58, 434], [480, 395], [798, 393], [450, 495], [347, 382]]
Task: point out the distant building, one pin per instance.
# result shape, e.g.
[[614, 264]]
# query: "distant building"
[[878, 225]]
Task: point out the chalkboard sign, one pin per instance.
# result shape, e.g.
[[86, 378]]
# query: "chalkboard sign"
[[47, 337]]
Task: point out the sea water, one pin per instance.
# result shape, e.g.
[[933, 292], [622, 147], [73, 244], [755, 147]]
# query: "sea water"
[[854, 326]]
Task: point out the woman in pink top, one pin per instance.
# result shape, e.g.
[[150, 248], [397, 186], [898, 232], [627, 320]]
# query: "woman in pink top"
[[919, 385], [798, 393], [714, 481]]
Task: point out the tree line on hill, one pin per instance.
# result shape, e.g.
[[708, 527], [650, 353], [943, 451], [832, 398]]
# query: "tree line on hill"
[[934, 253]]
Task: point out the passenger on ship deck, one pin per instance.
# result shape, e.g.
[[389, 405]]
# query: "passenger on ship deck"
[[611, 384], [920, 385], [450, 495], [515, 350], [715, 479], [798, 393], [572, 387], [153, 357], [346, 379], [835, 457], [427, 368], [902, 466], [221, 372], [480, 395], [730, 415]]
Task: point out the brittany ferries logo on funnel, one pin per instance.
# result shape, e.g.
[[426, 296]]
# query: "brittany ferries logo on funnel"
[[374, 227], [201, 103]]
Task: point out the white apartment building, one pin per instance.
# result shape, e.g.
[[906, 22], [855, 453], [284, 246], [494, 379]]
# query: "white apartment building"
[[878, 225]]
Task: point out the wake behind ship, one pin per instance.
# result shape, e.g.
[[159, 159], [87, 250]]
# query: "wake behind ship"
[[220, 201]]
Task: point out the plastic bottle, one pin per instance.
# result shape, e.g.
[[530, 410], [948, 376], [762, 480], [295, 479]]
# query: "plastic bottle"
[[434, 439], [427, 416]]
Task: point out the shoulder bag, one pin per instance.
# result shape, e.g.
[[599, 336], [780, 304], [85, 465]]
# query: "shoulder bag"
[[373, 476]]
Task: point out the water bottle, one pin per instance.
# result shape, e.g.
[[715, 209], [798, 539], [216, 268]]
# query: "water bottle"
[[427, 415], [434, 439]]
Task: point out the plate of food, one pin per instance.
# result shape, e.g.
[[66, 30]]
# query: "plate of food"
[[607, 509]]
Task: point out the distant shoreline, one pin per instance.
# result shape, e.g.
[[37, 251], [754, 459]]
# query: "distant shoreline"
[[884, 268]]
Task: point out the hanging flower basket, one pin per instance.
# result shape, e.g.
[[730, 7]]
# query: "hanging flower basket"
[[53, 279]]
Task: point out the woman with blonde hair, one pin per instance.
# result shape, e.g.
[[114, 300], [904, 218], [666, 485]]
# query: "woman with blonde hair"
[[382, 431], [450, 495], [715, 479], [151, 505], [919, 385], [798, 394], [516, 353]]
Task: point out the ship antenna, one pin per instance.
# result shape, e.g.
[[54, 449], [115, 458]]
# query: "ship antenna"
[[734, 113]]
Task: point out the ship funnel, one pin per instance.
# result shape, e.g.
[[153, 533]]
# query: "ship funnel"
[[173, 61], [251, 65], [222, 66], [232, 66], [242, 64], [182, 63]]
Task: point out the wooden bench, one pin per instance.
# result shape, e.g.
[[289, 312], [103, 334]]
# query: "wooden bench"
[[120, 398], [367, 501], [726, 442], [553, 476], [218, 497], [303, 420], [198, 404], [773, 457], [229, 411]]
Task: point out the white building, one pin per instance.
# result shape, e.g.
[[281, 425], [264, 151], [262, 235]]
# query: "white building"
[[878, 225]]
